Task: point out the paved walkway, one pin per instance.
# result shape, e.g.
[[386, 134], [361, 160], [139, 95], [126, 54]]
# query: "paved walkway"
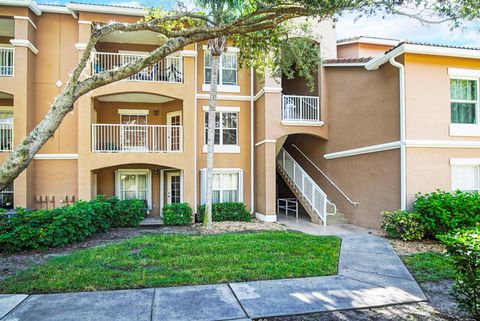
[[370, 275]]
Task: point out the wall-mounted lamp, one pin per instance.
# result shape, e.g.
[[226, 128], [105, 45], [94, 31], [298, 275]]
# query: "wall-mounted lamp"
[[156, 171], [155, 111]]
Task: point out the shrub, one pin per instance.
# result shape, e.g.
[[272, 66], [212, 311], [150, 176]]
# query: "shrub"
[[403, 225], [177, 214], [127, 213], [443, 212], [464, 249], [229, 211], [73, 223]]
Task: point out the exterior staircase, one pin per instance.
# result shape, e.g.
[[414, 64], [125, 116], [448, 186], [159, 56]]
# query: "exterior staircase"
[[312, 198]]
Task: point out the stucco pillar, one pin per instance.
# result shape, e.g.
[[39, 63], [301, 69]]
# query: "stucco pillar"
[[23, 102], [265, 182]]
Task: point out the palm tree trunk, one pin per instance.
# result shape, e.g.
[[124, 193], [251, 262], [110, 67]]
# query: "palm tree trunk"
[[216, 47]]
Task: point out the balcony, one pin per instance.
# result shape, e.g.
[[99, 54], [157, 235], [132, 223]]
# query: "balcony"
[[303, 110], [120, 138], [169, 69], [6, 61], [6, 137]]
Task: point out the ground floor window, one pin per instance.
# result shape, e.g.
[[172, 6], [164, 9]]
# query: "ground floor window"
[[134, 184], [6, 197], [466, 177], [227, 185]]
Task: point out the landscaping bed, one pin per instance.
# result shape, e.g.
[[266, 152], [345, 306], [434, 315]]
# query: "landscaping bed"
[[159, 260]]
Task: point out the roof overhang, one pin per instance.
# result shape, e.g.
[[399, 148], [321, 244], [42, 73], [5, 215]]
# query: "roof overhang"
[[77, 7], [372, 41], [73, 8], [423, 50], [32, 5]]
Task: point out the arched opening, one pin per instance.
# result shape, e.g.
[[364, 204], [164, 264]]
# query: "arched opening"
[[137, 122], [157, 185], [300, 192]]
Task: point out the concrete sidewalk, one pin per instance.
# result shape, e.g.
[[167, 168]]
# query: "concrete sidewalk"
[[370, 275]]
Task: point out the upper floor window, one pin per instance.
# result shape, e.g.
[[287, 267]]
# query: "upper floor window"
[[226, 128], [6, 61], [464, 101], [227, 73]]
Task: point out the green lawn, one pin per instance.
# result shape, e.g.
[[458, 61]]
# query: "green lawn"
[[429, 266], [169, 260]]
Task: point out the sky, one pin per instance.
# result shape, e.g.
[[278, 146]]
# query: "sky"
[[396, 27]]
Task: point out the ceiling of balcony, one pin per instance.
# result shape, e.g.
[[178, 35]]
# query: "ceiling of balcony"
[[135, 98], [7, 28], [137, 37]]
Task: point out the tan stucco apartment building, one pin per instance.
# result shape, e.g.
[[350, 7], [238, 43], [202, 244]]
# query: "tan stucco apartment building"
[[387, 119]]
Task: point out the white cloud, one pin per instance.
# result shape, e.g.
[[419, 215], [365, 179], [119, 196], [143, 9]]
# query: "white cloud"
[[405, 28]]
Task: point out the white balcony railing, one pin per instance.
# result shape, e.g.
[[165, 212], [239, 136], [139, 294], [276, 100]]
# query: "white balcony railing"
[[6, 61], [300, 109], [108, 138], [169, 69], [6, 137]]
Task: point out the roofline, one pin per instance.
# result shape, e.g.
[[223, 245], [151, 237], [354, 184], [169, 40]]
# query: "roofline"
[[376, 62], [373, 41], [23, 3], [345, 64], [107, 9], [72, 8]]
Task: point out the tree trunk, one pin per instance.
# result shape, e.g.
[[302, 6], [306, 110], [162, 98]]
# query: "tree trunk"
[[216, 46]]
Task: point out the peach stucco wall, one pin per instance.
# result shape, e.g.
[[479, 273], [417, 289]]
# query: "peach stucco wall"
[[356, 50]]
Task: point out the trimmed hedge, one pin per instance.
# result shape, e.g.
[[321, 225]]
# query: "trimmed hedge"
[[74, 223], [403, 225], [464, 249], [228, 211], [177, 214], [443, 212]]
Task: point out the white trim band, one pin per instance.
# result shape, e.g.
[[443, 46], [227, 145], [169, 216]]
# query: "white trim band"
[[460, 72], [25, 18], [223, 109], [188, 53], [442, 143], [265, 141], [81, 46], [363, 150], [55, 156], [223, 88], [24, 43], [464, 161]]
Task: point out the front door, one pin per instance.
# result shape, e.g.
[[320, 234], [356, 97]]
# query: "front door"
[[133, 132], [174, 120], [174, 187]]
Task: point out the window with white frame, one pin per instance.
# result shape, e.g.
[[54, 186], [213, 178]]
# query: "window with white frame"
[[466, 177], [227, 185], [464, 101], [227, 73], [226, 128], [134, 184]]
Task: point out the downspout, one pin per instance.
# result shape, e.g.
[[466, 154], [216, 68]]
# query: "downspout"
[[195, 174], [403, 174], [252, 143]]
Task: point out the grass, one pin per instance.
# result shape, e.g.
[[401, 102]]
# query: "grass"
[[430, 266], [170, 260]]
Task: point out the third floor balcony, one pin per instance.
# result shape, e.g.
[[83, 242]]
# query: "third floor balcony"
[[169, 69], [6, 61]]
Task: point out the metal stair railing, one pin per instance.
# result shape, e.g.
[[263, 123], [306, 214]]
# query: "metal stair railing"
[[310, 191]]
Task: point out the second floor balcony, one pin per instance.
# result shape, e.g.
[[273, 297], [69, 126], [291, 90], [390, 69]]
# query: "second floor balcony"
[[169, 69], [131, 138], [6, 61], [301, 110]]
